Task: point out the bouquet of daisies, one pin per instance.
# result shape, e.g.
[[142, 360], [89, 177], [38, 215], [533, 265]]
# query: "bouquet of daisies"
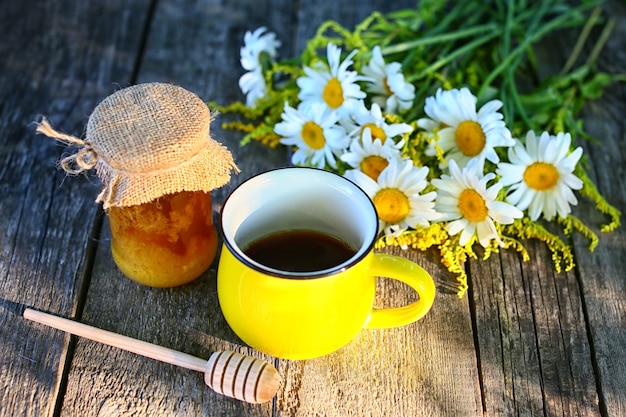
[[430, 122]]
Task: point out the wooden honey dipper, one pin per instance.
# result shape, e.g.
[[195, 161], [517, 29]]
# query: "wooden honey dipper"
[[228, 373]]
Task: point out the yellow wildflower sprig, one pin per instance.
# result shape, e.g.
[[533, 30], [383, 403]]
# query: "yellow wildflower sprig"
[[422, 238], [525, 228], [591, 191], [237, 107], [330, 32], [571, 223], [510, 242], [453, 255]]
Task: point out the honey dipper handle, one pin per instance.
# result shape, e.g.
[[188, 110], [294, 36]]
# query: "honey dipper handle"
[[232, 374], [139, 347]]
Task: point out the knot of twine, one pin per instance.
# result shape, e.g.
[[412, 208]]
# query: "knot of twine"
[[83, 160]]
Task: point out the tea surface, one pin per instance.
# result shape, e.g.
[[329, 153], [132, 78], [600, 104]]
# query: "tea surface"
[[299, 251]]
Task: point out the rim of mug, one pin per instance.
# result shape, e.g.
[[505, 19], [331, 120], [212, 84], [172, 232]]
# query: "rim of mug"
[[237, 251]]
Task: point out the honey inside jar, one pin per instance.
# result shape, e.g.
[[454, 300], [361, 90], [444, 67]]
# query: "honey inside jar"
[[167, 242]]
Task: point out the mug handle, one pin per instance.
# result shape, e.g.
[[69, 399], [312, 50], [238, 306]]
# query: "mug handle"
[[401, 269]]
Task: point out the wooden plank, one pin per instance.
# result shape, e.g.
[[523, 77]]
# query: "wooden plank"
[[197, 47], [50, 52], [384, 372], [534, 354], [602, 277], [541, 335], [602, 272]]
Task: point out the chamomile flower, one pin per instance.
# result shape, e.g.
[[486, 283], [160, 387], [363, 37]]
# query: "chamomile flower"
[[370, 154], [315, 133], [396, 196], [541, 175], [252, 84], [361, 119], [470, 207], [258, 47], [387, 86], [464, 133], [334, 85]]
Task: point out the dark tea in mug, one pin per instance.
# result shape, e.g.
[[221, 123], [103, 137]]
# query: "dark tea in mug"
[[299, 251]]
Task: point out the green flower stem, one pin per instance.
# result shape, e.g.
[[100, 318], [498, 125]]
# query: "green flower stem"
[[561, 21], [580, 42], [606, 32], [437, 39], [510, 70], [458, 52]]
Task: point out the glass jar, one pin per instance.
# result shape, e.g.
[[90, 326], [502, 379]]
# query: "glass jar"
[[151, 147], [167, 242]]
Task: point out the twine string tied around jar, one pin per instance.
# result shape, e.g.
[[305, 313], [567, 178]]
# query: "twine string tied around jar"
[[83, 160]]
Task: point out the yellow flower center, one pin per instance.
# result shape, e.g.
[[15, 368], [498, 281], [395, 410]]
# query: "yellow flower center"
[[470, 138], [377, 132], [313, 135], [392, 205], [472, 205], [373, 165], [333, 93], [541, 176]]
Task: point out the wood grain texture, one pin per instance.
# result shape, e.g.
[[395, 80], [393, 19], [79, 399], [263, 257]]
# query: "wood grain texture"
[[547, 341], [195, 46], [525, 341], [49, 58], [534, 356], [602, 273]]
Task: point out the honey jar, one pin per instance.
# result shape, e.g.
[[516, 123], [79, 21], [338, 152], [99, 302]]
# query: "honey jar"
[[151, 148], [166, 242]]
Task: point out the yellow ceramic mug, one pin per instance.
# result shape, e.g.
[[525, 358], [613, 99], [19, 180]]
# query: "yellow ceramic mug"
[[302, 315]]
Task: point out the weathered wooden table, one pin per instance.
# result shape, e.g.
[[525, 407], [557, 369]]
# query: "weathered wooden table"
[[523, 341]]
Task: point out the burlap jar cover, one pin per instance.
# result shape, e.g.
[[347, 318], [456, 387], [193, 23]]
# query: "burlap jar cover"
[[146, 141]]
